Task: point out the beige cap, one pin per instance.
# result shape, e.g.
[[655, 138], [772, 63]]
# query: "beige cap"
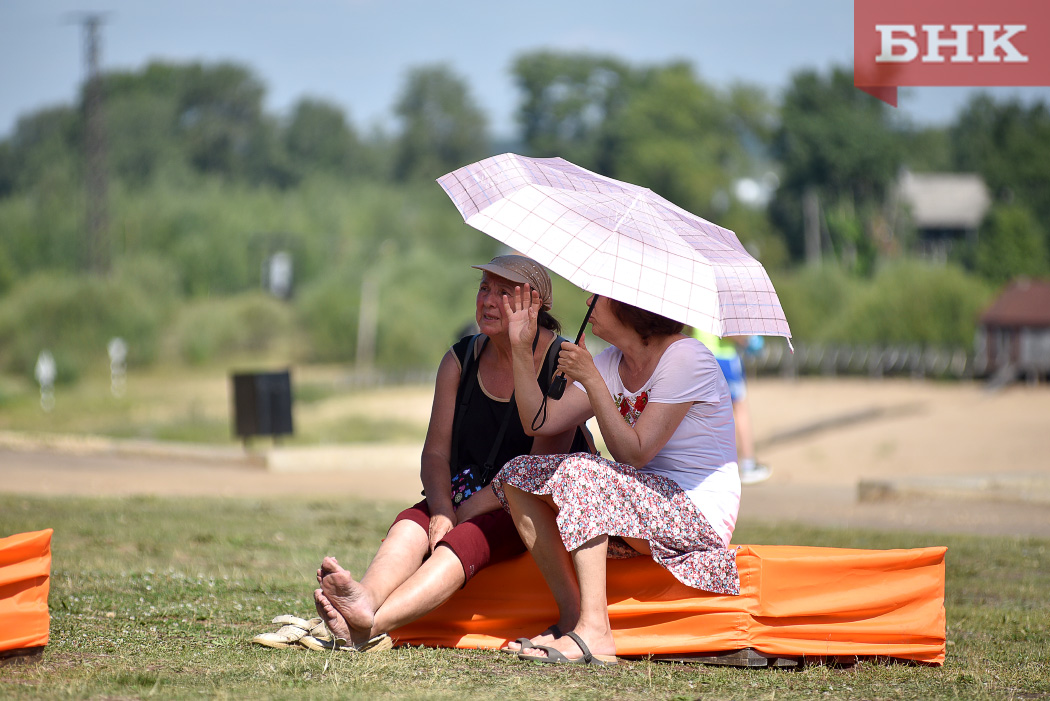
[[522, 270]]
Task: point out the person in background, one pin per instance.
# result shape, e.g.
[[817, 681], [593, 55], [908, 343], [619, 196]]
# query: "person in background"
[[727, 353]]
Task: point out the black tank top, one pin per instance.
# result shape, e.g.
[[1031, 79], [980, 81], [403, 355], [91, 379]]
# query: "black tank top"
[[484, 415]]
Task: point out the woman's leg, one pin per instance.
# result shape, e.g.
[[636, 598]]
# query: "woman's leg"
[[431, 585], [593, 625], [535, 518], [348, 606], [589, 560]]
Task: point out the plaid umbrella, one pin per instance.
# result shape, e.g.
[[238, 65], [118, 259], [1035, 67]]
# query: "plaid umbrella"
[[619, 240]]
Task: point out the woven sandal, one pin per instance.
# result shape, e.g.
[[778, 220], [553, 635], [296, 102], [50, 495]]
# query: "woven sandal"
[[376, 644], [291, 631]]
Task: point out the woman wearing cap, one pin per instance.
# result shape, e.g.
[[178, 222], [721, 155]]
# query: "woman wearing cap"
[[434, 547], [670, 492]]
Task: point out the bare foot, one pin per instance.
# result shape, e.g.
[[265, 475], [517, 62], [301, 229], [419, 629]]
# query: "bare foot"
[[328, 565], [351, 600], [545, 638], [332, 618]]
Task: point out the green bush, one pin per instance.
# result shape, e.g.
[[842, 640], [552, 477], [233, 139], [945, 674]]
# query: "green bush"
[[75, 316], [912, 302], [812, 297], [904, 303], [424, 298], [328, 312], [221, 328], [1010, 243]]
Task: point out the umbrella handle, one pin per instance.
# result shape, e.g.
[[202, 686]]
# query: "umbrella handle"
[[558, 382]]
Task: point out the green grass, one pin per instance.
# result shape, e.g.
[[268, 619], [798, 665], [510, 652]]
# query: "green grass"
[[159, 598]]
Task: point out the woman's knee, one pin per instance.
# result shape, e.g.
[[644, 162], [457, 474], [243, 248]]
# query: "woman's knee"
[[406, 533], [446, 563]]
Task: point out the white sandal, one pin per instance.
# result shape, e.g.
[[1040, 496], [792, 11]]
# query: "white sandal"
[[292, 631]]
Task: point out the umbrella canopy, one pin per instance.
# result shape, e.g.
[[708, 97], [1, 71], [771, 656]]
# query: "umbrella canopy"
[[619, 240]]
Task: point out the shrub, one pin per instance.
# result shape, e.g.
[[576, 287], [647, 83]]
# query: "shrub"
[[812, 297], [1010, 244], [913, 302], [328, 310], [221, 328], [75, 317]]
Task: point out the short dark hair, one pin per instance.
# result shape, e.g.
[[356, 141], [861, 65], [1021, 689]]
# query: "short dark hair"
[[547, 321], [646, 323]]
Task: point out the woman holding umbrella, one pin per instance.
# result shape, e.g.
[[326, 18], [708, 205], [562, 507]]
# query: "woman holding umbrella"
[[670, 491]]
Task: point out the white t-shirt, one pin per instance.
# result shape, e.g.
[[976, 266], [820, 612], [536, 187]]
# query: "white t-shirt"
[[701, 454]]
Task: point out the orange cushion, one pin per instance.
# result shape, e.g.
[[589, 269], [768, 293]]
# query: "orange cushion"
[[25, 573], [794, 601]]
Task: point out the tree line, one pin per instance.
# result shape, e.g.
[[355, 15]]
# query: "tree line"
[[205, 186]]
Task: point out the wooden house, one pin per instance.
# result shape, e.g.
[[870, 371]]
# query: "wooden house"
[[1013, 335]]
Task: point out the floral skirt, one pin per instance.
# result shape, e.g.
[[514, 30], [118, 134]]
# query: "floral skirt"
[[596, 496]]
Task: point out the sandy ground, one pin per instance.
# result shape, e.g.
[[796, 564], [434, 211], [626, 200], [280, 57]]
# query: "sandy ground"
[[889, 454]]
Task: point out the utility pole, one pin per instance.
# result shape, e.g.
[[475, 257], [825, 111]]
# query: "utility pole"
[[96, 224]]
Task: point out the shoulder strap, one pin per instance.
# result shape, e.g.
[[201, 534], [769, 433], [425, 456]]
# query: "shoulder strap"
[[490, 468], [467, 380]]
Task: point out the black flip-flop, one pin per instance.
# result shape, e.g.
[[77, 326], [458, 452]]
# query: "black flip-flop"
[[555, 656], [526, 643]]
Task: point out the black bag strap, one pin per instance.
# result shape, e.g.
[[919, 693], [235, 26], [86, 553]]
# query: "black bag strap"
[[490, 468], [582, 440]]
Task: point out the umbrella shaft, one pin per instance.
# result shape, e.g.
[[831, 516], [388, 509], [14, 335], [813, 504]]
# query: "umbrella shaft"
[[557, 386]]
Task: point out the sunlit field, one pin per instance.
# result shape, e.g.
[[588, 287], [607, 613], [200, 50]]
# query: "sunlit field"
[[159, 598]]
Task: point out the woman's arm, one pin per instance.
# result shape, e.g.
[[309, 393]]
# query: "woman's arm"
[[435, 462], [632, 445], [562, 414], [637, 445]]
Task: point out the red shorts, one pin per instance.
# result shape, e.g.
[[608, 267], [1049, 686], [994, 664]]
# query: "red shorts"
[[477, 542]]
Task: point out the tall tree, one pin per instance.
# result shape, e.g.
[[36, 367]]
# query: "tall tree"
[[202, 117], [318, 138], [45, 148], [567, 100], [674, 135], [837, 149], [1010, 243], [1008, 143], [220, 108], [442, 128]]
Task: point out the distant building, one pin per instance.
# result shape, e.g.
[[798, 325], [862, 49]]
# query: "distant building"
[[1013, 334], [946, 208]]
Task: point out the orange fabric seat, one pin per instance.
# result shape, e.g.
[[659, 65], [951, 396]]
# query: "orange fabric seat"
[[794, 601], [25, 575]]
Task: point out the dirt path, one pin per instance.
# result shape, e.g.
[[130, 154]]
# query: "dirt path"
[[924, 456]]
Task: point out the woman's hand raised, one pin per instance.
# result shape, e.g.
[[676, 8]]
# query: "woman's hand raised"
[[522, 313]]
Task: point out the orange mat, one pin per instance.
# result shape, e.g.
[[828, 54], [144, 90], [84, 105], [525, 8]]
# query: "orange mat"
[[794, 601], [25, 575]]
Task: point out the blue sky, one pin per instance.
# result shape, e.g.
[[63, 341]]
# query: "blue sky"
[[355, 53]]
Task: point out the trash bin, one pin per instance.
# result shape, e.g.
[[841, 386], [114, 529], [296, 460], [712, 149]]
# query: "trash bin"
[[262, 404]]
